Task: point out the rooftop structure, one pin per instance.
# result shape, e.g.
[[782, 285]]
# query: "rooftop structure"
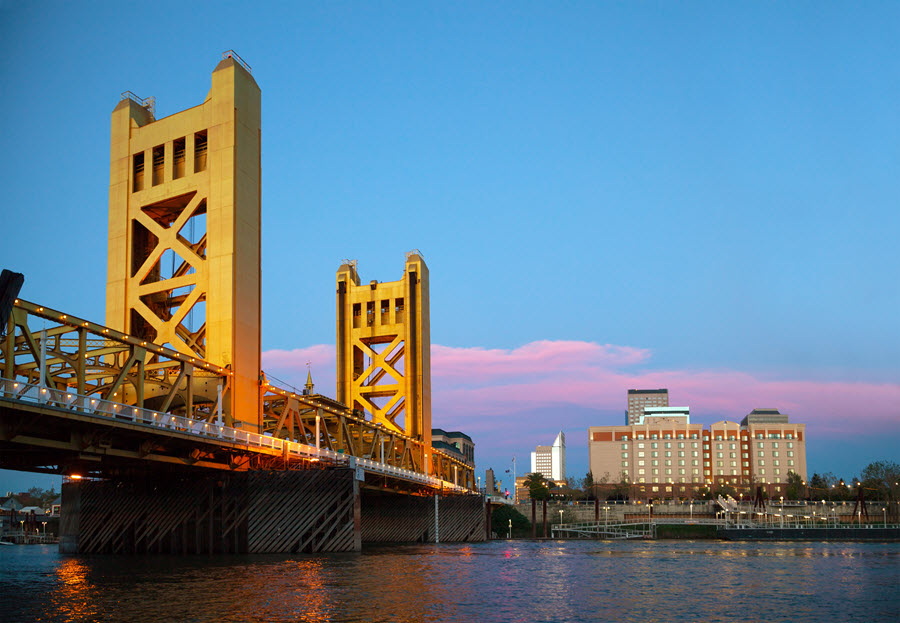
[[638, 399]]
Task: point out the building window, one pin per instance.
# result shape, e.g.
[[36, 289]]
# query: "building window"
[[178, 158], [138, 172], [159, 164], [200, 151]]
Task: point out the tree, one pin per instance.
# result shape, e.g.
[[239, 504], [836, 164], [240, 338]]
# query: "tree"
[[537, 486], [794, 488], [881, 477], [621, 490], [501, 517], [587, 485]]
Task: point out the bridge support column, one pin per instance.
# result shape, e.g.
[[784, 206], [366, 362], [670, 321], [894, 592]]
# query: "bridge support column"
[[250, 512], [396, 518]]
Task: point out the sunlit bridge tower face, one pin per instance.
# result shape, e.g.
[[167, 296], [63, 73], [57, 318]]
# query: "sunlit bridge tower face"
[[384, 348], [184, 230]]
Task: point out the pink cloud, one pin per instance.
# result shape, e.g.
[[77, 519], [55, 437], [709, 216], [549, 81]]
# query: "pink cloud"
[[542, 358], [494, 388]]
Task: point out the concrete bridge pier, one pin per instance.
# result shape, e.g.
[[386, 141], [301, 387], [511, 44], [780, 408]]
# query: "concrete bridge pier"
[[249, 512], [393, 518]]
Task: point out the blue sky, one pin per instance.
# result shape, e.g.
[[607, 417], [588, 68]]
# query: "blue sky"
[[714, 186]]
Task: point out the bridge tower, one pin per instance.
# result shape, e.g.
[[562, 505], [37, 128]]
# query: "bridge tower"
[[184, 230], [384, 348]]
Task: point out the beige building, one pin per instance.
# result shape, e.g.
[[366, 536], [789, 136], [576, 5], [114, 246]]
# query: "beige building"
[[667, 455], [774, 446], [640, 398]]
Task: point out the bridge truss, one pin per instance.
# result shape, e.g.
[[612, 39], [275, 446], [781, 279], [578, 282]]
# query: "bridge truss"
[[85, 369]]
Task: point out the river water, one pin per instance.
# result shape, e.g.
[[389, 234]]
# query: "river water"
[[503, 581]]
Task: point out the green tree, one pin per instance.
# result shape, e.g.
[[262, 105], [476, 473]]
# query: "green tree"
[[880, 479], [587, 485], [501, 517], [537, 486], [794, 487]]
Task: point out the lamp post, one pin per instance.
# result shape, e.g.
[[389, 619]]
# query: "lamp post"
[[883, 512], [560, 517], [858, 519], [782, 511], [509, 535], [692, 510], [606, 515]]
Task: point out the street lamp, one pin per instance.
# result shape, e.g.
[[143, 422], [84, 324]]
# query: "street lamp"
[[560, 517], [782, 511], [606, 515], [650, 513], [883, 512], [509, 535], [692, 510]]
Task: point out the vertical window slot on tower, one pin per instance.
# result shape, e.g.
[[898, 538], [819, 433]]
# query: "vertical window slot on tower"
[[200, 151], [370, 313], [178, 158], [138, 176], [159, 160]]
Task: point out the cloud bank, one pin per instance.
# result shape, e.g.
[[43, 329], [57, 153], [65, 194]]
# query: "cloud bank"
[[481, 385]]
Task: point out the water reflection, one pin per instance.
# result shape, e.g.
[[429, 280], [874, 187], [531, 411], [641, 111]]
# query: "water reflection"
[[73, 598], [501, 581]]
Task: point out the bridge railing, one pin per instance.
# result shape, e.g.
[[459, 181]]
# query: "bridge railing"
[[106, 409]]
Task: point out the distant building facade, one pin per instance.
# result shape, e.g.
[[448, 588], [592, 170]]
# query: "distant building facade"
[[666, 455], [490, 488], [550, 461], [638, 399], [455, 443]]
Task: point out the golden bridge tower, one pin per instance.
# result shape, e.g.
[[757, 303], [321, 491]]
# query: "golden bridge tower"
[[384, 348], [184, 230]]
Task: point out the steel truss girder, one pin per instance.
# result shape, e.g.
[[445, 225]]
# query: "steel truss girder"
[[90, 359], [293, 416]]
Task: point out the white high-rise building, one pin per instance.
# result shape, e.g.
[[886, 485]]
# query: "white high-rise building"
[[551, 460]]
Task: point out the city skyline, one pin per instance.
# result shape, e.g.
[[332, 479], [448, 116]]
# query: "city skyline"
[[701, 198]]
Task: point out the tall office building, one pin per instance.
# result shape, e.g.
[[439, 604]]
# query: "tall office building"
[[551, 460], [640, 398]]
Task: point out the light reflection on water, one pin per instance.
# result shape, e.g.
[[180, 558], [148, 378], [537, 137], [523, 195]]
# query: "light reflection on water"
[[499, 581]]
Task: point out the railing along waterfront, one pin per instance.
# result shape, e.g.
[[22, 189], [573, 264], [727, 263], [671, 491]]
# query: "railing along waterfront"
[[644, 528], [105, 410]]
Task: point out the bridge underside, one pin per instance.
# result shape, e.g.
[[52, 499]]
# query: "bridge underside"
[[255, 512], [251, 512]]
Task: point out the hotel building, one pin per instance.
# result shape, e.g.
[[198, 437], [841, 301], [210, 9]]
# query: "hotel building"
[[665, 455]]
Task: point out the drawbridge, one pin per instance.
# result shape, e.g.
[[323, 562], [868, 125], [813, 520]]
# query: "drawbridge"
[[173, 438]]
